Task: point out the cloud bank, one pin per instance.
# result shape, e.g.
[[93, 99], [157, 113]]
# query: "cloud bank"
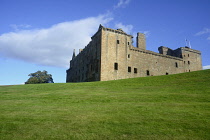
[[52, 46]]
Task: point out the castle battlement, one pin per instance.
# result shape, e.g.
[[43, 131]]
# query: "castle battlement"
[[110, 55]]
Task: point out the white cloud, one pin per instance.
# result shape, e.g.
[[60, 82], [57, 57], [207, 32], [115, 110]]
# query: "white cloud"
[[147, 33], [204, 31], [52, 46], [20, 27], [122, 3], [206, 67], [125, 28]]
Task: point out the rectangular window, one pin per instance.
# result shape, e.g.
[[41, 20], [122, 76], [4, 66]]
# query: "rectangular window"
[[148, 73], [128, 43], [118, 41], [91, 67], [129, 69], [176, 64], [189, 62], [115, 66], [135, 70], [128, 55]]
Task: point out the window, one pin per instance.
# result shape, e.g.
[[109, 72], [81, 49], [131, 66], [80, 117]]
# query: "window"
[[129, 69], [135, 70], [96, 69], [118, 41], [184, 62], [129, 55], [115, 66], [148, 73], [166, 73], [128, 43], [188, 55], [91, 67], [189, 62], [176, 64]]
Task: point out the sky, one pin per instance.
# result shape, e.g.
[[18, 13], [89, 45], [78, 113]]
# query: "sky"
[[42, 34]]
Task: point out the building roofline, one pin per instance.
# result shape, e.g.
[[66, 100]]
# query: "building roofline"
[[190, 50], [119, 31], [154, 53]]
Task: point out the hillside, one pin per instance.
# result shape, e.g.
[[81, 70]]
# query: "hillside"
[[160, 107]]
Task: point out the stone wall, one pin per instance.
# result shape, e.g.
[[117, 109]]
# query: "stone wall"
[[110, 56], [86, 65]]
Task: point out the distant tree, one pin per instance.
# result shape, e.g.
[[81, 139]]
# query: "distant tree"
[[39, 77]]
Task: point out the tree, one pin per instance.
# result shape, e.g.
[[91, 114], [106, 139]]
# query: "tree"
[[39, 77]]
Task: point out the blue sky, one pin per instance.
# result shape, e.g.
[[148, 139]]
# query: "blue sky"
[[41, 34]]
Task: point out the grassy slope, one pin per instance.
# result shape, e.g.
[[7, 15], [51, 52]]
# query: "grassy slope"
[[161, 107]]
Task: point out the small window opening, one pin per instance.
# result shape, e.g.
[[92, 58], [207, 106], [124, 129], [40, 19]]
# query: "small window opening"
[[129, 69], [189, 70], [128, 55], [91, 67], [118, 41], [148, 73], [166, 73], [115, 66], [188, 55], [189, 62], [128, 43], [184, 62], [135, 70], [176, 64]]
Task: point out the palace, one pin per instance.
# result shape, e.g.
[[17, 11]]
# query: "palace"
[[110, 55]]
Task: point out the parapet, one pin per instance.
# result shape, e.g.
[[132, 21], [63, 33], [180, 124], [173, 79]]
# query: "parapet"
[[166, 51]]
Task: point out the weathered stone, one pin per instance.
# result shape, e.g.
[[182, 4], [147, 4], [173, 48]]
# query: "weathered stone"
[[110, 56]]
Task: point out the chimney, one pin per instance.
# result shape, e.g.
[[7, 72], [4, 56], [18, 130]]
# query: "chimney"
[[141, 41], [73, 56]]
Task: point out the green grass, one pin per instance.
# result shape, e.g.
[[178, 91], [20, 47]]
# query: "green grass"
[[171, 107]]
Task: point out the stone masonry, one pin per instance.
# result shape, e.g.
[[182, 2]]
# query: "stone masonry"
[[110, 55]]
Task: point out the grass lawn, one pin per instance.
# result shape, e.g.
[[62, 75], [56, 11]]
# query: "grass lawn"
[[170, 107]]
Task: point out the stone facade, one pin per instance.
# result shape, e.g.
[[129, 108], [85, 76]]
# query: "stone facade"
[[110, 55]]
